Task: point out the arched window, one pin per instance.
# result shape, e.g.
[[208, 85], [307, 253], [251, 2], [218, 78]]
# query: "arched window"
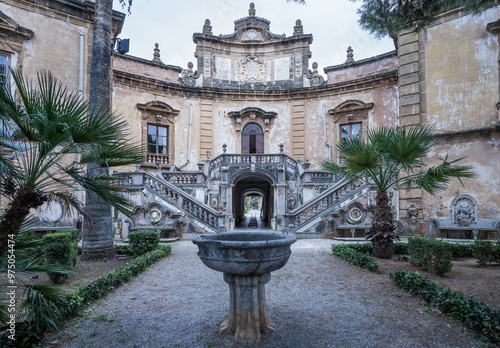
[[252, 139]]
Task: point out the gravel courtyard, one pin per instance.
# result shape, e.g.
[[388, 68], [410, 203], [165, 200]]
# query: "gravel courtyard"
[[316, 300]]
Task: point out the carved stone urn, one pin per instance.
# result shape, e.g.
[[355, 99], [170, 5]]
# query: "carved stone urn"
[[246, 260]]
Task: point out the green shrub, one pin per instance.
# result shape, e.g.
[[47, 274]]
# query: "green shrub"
[[461, 250], [101, 286], [417, 251], [123, 249], [26, 246], [143, 241], [355, 257], [59, 248], [430, 254], [365, 248], [473, 314], [440, 257], [400, 248], [486, 252]]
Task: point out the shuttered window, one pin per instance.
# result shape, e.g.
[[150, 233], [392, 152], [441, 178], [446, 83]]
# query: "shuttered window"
[[252, 139]]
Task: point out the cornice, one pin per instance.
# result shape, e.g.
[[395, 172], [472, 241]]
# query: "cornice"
[[154, 85]]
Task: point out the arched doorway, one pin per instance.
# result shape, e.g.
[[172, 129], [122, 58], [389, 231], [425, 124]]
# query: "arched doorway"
[[252, 139], [257, 188]]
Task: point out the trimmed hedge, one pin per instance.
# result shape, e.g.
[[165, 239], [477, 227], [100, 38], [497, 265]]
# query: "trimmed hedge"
[[486, 252], [123, 249], [430, 254], [367, 248], [143, 241], [103, 285], [357, 258], [473, 314], [60, 248]]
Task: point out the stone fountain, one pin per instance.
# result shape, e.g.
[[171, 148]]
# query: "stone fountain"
[[246, 260]]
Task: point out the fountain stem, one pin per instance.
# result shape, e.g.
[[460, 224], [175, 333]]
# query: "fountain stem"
[[247, 307]]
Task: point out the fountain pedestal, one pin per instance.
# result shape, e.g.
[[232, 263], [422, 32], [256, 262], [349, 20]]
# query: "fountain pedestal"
[[247, 307], [247, 260]]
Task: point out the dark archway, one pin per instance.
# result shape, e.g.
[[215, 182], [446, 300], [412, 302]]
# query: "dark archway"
[[252, 139], [253, 184]]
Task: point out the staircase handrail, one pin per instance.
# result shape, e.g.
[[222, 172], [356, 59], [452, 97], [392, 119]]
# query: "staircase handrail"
[[159, 186], [325, 202]]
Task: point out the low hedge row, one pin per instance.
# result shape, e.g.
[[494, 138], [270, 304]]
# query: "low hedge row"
[[355, 257], [103, 285], [367, 248], [475, 315]]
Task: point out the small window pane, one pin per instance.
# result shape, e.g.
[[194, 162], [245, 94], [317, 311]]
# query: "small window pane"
[[356, 131], [157, 139]]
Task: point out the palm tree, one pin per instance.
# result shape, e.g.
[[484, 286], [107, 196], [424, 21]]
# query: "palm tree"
[[391, 157], [97, 232], [48, 134]]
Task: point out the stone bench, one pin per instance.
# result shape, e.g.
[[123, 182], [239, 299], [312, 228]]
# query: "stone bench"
[[351, 231], [481, 229]]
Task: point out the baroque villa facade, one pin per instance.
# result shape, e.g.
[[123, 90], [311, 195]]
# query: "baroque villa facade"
[[252, 116]]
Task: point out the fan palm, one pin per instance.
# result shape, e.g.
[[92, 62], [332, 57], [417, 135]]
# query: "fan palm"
[[391, 157], [47, 137], [37, 305]]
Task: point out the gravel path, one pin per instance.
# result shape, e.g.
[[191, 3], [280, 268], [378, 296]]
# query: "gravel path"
[[316, 300]]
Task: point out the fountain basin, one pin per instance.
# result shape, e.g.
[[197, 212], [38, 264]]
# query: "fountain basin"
[[245, 253], [246, 260]]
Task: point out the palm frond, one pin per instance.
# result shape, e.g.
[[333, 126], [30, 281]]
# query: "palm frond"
[[40, 305], [358, 156], [4, 312], [436, 179]]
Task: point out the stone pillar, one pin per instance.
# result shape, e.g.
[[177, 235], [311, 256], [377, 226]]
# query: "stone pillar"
[[247, 307]]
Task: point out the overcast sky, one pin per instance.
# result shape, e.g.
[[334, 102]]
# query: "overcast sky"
[[171, 24]]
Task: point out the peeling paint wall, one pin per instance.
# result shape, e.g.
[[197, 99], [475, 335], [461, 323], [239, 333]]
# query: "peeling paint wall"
[[461, 78]]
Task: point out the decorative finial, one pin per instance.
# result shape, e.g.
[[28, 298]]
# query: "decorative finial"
[[251, 11], [315, 68], [350, 56], [298, 29], [207, 28], [156, 54]]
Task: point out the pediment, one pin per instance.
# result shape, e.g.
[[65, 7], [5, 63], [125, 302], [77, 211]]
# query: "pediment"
[[252, 114], [157, 110], [350, 109], [16, 34]]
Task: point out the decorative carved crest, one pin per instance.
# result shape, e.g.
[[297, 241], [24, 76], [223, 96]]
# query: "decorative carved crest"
[[251, 69], [252, 35]]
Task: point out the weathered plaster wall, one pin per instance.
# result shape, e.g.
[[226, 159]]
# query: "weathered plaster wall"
[[55, 46], [361, 69], [146, 68], [460, 92], [483, 152], [461, 60]]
